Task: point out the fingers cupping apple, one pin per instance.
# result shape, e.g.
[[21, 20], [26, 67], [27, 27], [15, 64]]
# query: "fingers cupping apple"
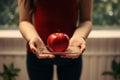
[[78, 42], [76, 46], [38, 48]]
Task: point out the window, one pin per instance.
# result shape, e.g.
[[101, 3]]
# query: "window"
[[105, 13], [8, 14]]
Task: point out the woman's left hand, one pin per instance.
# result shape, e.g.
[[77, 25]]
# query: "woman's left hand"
[[76, 45]]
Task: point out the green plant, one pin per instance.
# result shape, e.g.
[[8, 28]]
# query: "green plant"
[[9, 72], [115, 73]]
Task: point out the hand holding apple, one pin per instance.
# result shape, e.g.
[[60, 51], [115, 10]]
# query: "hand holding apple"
[[36, 46], [77, 45], [58, 42]]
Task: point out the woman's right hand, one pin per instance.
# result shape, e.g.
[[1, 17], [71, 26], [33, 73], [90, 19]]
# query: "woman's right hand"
[[38, 48]]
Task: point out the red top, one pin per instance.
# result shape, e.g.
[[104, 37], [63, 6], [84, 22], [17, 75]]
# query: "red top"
[[55, 15]]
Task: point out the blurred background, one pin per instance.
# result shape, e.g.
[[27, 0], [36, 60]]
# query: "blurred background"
[[103, 42], [105, 13]]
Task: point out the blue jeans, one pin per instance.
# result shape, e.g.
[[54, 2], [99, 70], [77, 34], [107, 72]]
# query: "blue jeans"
[[42, 69]]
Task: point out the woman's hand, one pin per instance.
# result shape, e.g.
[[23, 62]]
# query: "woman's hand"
[[37, 47], [78, 42], [76, 45]]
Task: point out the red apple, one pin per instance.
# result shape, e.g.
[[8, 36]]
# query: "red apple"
[[58, 42]]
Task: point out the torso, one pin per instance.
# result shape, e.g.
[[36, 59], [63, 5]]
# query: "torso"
[[55, 15]]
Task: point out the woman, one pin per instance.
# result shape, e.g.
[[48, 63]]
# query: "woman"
[[38, 19]]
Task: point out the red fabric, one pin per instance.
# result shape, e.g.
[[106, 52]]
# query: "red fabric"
[[55, 16]]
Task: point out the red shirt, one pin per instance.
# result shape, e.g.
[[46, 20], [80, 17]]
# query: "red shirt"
[[55, 15]]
